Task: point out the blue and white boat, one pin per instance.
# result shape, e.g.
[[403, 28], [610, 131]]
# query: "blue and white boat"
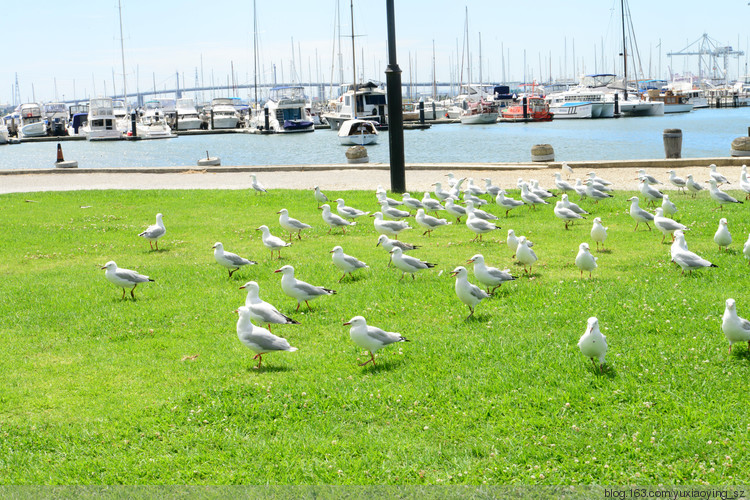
[[287, 112]]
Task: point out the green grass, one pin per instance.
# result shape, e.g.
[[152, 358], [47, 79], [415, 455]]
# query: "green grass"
[[98, 390]]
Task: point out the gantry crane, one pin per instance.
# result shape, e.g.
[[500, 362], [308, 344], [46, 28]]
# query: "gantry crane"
[[713, 58]]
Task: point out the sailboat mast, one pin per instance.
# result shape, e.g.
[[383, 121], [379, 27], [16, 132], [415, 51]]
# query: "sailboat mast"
[[624, 53], [354, 66], [255, 56], [122, 57]]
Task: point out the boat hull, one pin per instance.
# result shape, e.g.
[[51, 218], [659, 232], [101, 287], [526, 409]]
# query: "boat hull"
[[678, 108], [479, 119], [571, 110], [37, 129]]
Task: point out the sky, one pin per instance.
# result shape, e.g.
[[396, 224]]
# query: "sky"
[[65, 50]]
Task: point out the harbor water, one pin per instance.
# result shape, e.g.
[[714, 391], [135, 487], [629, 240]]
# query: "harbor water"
[[706, 133]]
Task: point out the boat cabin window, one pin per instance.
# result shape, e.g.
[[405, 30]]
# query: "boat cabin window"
[[375, 99], [292, 114]]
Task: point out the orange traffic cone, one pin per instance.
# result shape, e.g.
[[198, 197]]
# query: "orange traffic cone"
[[59, 153]]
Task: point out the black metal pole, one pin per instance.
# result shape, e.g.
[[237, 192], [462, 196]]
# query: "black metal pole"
[[395, 112]]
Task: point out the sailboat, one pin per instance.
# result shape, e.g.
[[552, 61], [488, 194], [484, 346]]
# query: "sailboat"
[[356, 131]]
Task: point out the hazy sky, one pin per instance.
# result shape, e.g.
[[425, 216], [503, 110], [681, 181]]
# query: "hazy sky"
[[73, 47]]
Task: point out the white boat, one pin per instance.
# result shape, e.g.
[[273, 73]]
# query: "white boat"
[[286, 109], [673, 103], [187, 115], [370, 105], [4, 134], [478, 113], [601, 107], [56, 116], [101, 124], [153, 122], [695, 96], [122, 117], [357, 132], [222, 113], [29, 121], [635, 106], [572, 109]]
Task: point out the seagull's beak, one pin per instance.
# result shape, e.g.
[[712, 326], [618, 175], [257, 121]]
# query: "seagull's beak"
[[470, 261], [376, 244], [330, 251], [347, 323], [453, 273], [278, 213], [104, 267], [241, 288], [277, 271], [211, 247], [236, 311]]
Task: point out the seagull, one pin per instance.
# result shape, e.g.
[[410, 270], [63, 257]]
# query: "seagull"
[[720, 196], [124, 278], [474, 190], [468, 197], [370, 337], [300, 290], [649, 193], [598, 233], [735, 329], [512, 241], [489, 276], [455, 210], [229, 260], [408, 264], [389, 227], [572, 206], [257, 186], [439, 192], [530, 198], [722, 237], [744, 184], [468, 293], [291, 225], [649, 179], [345, 262], [584, 260], [685, 258], [595, 194], [666, 225], [540, 192], [260, 340], [429, 222], [694, 187], [580, 189], [668, 207], [271, 242], [431, 205], [334, 220], [524, 254], [489, 188], [677, 182], [382, 197], [479, 212], [389, 245], [393, 213], [507, 203], [638, 214], [566, 168], [479, 226], [410, 202], [153, 233], [720, 179], [566, 214], [350, 213], [562, 185], [598, 180], [592, 343], [260, 310], [746, 250], [319, 197]]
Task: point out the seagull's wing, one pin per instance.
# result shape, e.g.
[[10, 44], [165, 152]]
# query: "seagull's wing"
[[354, 262], [131, 276], [382, 336], [236, 260]]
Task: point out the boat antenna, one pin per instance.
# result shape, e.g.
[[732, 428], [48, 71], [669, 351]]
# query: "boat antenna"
[[122, 57], [354, 66], [255, 57]]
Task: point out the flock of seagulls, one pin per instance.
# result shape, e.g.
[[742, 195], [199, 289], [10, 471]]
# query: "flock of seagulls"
[[392, 219]]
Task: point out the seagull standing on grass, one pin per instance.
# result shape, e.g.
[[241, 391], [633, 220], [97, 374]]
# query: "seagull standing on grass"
[[735, 329], [441, 194], [300, 290], [229, 260], [390, 244], [124, 278], [677, 182], [346, 212], [154, 232], [722, 237], [595, 194], [334, 220], [507, 203], [479, 226], [720, 196], [319, 196], [271, 242], [648, 179], [260, 310], [393, 212], [525, 255], [291, 225], [411, 203], [638, 214], [408, 264], [344, 262], [470, 208], [530, 198], [572, 206], [666, 225], [429, 222], [257, 186], [746, 250], [383, 198], [720, 179], [694, 187], [371, 338], [593, 344], [489, 276], [649, 193], [565, 214], [388, 227], [259, 340], [667, 206], [562, 185], [744, 183], [468, 293], [598, 232], [456, 211], [431, 205], [584, 260], [685, 258]]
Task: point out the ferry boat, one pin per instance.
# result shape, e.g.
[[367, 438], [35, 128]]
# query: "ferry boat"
[[537, 110]]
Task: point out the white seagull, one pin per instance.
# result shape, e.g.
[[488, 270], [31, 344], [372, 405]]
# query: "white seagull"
[[525, 255], [431, 205], [598, 180], [685, 258], [584, 260], [572, 206], [668, 207], [440, 192], [649, 193], [300, 290], [507, 203], [595, 194], [489, 188], [388, 227], [408, 264], [744, 183], [319, 196], [722, 237], [154, 232], [561, 184], [566, 168], [746, 250], [371, 338], [598, 232], [124, 278], [410, 202], [334, 220], [344, 262], [694, 187], [260, 310], [429, 222], [720, 196], [479, 212], [649, 179], [257, 186], [390, 244], [677, 182], [720, 179], [489, 276], [392, 212], [271, 242], [346, 212], [455, 210], [291, 225], [735, 329], [258, 339], [666, 225], [592, 343], [530, 198], [479, 226], [383, 197], [638, 214], [468, 293], [229, 260], [565, 214]]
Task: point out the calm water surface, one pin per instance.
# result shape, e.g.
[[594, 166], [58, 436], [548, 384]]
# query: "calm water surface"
[[706, 133]]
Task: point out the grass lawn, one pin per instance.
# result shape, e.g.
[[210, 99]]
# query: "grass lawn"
[[159, 390]]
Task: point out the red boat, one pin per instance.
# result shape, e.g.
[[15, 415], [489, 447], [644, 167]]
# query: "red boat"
[[537, 110]]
